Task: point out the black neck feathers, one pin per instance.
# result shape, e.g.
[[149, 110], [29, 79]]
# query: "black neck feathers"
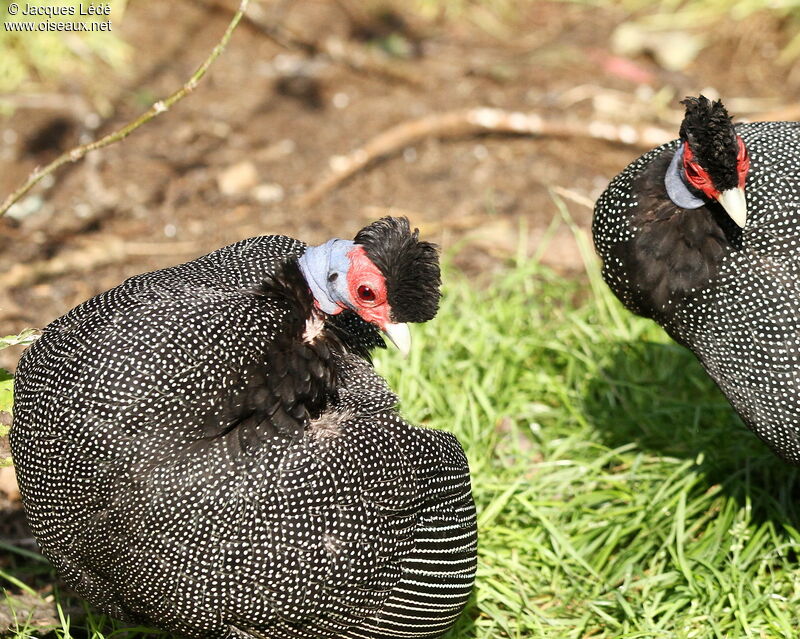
[[674, 251], [345, 332], [288, 285], [294, 380]]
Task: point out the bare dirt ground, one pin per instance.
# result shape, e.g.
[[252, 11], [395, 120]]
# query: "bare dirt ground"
[[234, 159]]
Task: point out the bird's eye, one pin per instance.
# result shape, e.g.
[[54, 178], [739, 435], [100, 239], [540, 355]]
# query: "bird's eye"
[[366, 294]]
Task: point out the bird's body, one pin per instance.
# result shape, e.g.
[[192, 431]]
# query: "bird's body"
[[730, 294], [201, 449]]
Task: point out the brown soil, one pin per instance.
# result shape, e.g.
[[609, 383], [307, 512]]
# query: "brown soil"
[[157, 198]]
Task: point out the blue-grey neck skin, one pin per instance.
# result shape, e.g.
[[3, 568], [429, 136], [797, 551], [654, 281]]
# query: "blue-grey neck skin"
[[675, 182], [318, 264]]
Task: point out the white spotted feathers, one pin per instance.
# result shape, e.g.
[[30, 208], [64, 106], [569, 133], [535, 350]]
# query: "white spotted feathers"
[[162, 493], [732, 296]]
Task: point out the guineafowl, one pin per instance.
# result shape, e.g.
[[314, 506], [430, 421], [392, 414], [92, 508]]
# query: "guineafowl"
[[206, 448], [702, 235]]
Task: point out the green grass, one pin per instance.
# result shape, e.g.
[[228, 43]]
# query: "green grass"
[[28, 59], [618, 494]]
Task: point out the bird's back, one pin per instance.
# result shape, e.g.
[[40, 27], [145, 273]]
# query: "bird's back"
[[152, 505], [744, 322]]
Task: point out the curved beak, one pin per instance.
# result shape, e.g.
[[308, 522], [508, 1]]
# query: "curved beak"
[[735, 204], [400, 336]]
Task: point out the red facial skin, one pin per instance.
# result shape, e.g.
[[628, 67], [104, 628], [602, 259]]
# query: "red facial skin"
[[367, 288], [742, 162], [699, 178]]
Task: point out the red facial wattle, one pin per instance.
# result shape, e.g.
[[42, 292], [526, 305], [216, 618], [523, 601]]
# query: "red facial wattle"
[[696, 175], [742, 162], [699, 178], [367, 288]]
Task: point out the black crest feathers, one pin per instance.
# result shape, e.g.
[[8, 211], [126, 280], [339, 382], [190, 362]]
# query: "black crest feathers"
[[410, 267], [708, 129]]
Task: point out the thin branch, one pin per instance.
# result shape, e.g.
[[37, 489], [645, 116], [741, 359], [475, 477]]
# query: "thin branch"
[[54, 101], [360, 60], [786, 113], [459, 123], [261, 22], [158, 108], [357, 58], [87, 258]]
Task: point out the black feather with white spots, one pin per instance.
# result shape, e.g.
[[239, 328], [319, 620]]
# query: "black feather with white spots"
[[160, 483], [729, 295]]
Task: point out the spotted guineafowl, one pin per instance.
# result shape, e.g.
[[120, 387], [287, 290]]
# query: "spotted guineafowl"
[[206, 448], [680, 244]]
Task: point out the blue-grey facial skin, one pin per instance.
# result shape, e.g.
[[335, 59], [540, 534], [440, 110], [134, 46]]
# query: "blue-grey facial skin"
[[677, 190], [325, 269]]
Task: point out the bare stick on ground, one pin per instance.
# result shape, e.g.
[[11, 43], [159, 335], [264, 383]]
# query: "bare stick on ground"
[[474, 121], [358, 58], [158, 108]]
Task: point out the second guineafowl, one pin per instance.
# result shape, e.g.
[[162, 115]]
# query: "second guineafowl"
[[206, 448], [703, 235]]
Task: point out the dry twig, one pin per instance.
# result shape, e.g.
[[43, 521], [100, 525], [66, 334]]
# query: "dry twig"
[[157, 109], [357, 58], [788, 113], [55, 101], [479, 120], [361, 60], [88, 257]]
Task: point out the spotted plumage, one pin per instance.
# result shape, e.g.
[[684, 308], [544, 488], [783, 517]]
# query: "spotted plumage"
[[729, 294], [204, 450]]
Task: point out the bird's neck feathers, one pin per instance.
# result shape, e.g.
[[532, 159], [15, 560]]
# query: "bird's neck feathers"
[[289, 285], [306, 322], [658, 187], [675, 251]]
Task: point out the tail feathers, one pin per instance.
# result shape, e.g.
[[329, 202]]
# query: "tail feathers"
[[437, 576]]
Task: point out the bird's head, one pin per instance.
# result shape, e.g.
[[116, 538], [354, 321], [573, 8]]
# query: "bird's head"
[[711, 162], [386, 275]]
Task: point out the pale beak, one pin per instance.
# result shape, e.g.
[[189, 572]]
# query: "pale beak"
[[400, 336], [735, 204]]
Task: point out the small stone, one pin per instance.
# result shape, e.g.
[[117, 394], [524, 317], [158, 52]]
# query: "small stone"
[[341, 100], [268, 193], [22, 209], [238, 179], [82, 210], [8, 483], [92, 121]]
